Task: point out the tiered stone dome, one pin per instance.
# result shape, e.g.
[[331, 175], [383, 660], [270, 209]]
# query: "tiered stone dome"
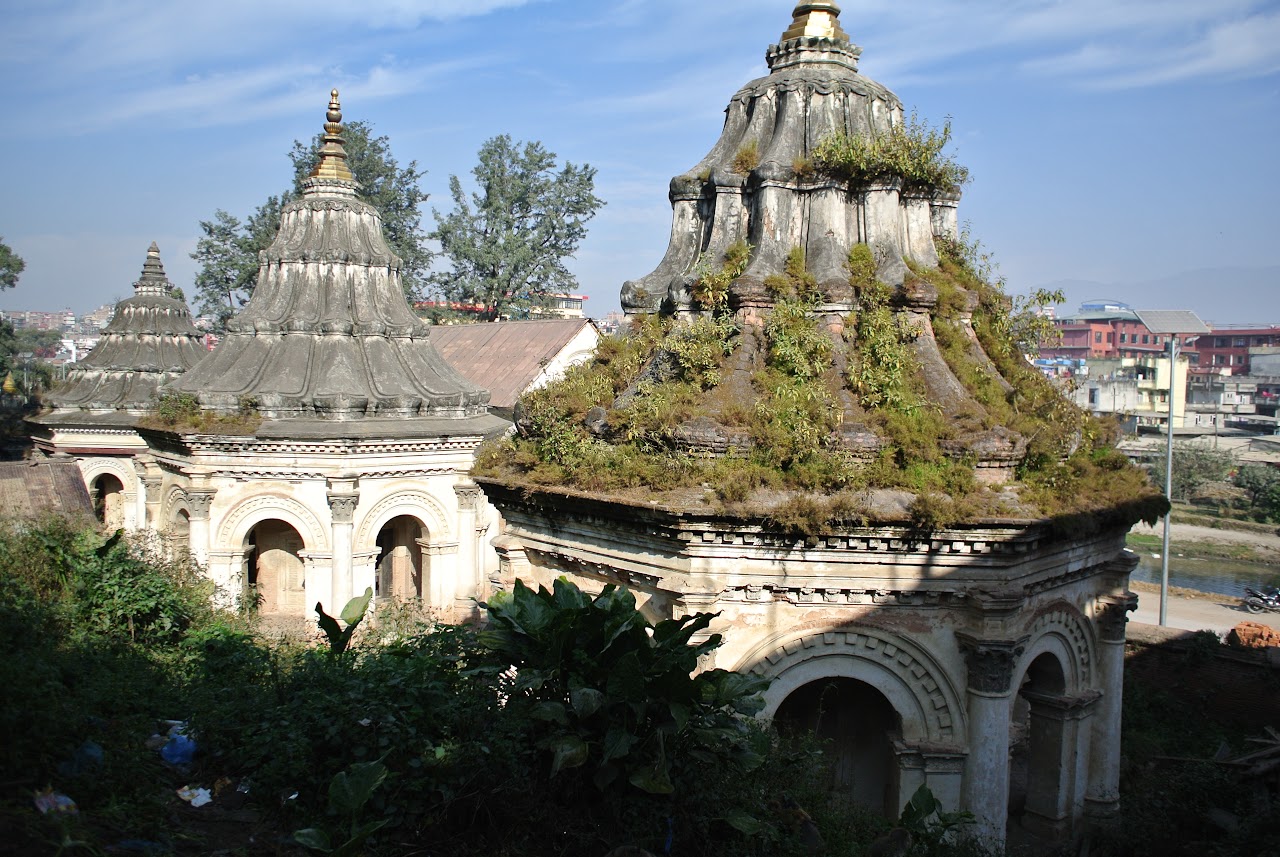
[[149, 342], [752, 185], [758, 185], [328, 332]]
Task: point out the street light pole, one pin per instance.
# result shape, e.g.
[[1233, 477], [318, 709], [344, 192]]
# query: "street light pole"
[[1168, 483]]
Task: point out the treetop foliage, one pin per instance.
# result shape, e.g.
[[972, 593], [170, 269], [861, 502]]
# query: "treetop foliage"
[[507, 242], [11, 266]]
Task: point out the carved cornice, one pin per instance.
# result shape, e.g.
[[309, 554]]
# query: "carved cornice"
[[991, 662]]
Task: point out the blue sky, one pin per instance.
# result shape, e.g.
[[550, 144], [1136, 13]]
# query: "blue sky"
[[1114, 141]]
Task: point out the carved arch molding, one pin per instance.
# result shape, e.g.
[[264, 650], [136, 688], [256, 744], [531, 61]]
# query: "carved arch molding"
[[913, 682], [92, 468], [418, 504], [236, 523], [1074, 636]]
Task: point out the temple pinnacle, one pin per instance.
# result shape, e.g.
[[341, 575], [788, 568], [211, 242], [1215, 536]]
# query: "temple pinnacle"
[[153, 281], [818, 20], [333, 157]]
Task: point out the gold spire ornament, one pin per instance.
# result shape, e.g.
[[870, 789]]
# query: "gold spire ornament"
[[10, 387], [816, 20], [333, 157]]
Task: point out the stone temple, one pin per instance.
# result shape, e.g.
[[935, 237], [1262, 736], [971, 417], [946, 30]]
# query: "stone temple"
[[981, 655], [149, 342], [356, 476], [322, 449]]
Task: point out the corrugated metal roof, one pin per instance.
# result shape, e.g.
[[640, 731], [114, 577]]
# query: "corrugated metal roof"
[[32, 489], [506, 356]]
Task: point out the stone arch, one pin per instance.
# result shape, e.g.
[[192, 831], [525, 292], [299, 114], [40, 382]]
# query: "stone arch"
[[411, 503], [913, 682], [1064, 631], [112, 486], [173, 502], [93, 468], [859, 728], [237, 523]]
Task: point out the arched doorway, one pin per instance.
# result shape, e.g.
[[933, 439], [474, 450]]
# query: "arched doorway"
[[107, 492], [275, 573], [179, 534], [1039, 777], [401, 571], [858, 725]]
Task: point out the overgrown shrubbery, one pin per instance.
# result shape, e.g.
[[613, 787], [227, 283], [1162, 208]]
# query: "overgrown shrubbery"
[[805, 381], [570, 726], [911, 150]]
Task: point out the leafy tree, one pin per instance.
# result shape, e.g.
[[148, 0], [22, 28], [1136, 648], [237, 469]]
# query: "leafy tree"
[[1193, 466], [1262, 482], [11, 265], [228, 257], [228, 250], [508, 243]]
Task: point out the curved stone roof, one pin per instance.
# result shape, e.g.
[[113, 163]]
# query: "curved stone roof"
[[747, 186], [149, 342], [328, 332]]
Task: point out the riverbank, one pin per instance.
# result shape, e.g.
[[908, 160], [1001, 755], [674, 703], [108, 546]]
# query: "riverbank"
[[1200, 542]]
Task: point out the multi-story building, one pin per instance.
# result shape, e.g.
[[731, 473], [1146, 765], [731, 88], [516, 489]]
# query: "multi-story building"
[[1134, 389], [1106, 329], [1226, 350]]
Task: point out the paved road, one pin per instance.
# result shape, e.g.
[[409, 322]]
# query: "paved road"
[[1195, 533], [1195, 614]]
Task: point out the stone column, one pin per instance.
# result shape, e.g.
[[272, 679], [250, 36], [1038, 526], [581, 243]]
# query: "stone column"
[[149, 510], [468, 584], [1059, 748], [1102, 800], [343, 497], [990, 698], [199, 502], [229, 566]]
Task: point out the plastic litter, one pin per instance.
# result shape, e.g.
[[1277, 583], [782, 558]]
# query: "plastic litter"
[[88, 757], [49, 801], [178, 750], [195, 797]]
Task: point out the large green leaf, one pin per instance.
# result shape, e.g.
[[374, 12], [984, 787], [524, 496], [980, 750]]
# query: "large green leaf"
[[570, 751], [316, 840], [743, 822], [353, 612], [618, 743], [586, 701], [652, 779], [349, 790], [550, 711]]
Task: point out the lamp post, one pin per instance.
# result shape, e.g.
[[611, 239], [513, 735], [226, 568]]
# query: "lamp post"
[[1171, 323]]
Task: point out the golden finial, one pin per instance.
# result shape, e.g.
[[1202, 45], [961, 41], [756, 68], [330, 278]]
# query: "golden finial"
[[10, 386], [333, 157], [818, 19]]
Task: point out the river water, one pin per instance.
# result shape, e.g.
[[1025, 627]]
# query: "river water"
[[1223, 576]]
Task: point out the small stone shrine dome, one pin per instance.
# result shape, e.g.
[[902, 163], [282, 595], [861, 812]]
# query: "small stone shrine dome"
[[328, 333], [149, 342]]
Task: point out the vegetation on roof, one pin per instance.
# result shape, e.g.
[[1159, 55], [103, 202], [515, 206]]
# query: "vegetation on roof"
[[911, 150], [820, 417]]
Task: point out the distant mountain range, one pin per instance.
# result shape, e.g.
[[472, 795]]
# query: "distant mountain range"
[[1220, 296]]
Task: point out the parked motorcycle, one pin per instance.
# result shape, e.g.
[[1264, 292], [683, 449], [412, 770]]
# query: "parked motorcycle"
[[1267, 599]]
